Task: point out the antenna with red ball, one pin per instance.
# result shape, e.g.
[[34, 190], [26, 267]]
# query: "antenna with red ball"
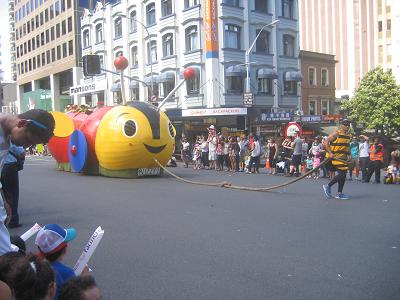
[[188, 74], [121, 63]]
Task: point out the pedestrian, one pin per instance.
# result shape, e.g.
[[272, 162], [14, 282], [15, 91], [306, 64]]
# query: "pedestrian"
[[233, 151], [254, 156], [204, 152], [52, 241], [244, 148], [355, 153], [185, 151], [376, 161], [309, 164], [80, 288], [316, 164], [212, 147], [13, 163], [220, 153], [297, 146], [272, 150], [287, 153], [26, 129], [364, 157], [337, 145]]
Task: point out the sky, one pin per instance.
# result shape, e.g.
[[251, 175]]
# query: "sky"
[[5, 43]]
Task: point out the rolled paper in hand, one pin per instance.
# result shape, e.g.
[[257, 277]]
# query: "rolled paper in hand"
[[88, 250], [31, 232]]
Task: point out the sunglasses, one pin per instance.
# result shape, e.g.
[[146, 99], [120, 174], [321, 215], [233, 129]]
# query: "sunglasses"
[[36, 123]]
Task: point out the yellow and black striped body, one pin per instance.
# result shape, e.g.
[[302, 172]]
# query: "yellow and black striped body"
[[340, 148]]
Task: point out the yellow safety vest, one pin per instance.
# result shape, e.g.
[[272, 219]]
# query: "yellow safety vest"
[[340, 148]]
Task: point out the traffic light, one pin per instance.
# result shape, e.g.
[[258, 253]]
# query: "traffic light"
[[91, 65]]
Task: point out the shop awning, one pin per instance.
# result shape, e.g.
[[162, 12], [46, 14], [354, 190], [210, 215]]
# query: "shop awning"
[[267, 73], [149, 79], [166, 77], [235, 71], [293, 76], [133, 84], [116, 87]]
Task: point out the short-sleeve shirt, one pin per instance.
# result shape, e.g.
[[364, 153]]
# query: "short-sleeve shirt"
[[63, 273], [298, 146]]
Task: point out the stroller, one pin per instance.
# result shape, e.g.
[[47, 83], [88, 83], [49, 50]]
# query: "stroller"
[[280, 164]]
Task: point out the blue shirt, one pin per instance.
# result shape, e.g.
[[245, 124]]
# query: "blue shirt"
[[17, 150], [354, 149], [63, 273]]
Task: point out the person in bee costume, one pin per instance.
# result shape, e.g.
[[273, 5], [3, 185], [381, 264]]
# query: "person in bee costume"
[[337, 145]]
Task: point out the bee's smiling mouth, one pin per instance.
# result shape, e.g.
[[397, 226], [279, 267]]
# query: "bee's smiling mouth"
[[154, 149]]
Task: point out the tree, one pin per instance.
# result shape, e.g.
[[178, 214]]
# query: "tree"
[[376, 103]]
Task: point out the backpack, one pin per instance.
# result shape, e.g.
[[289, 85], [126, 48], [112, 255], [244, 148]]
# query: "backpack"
[[20, 160]]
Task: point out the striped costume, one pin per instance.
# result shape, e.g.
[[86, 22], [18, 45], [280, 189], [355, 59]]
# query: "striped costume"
[[340, 147]]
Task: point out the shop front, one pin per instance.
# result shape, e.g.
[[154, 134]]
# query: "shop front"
[[270, 124], [229, 121], [91, 93]]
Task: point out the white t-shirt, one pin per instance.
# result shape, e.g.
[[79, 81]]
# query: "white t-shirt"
[[364, 147], [212, 145], [256, 150]]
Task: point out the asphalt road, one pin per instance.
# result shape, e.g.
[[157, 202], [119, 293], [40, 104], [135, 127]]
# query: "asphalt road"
[[170, 240]]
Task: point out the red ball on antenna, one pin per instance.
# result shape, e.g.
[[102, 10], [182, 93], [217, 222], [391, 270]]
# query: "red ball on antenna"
[[121, 63], [189, 73]]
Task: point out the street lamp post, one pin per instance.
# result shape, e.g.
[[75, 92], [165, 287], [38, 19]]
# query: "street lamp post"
[[248, 55], [150, 54]]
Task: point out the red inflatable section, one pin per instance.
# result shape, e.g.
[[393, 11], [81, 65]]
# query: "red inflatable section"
[[89, 129], [78, 118], [58, 147]]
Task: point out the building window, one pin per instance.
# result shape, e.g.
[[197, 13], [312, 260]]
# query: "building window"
[[191, 38], [232, 36], [193, 85], [52, 33], [262, 44], [287, 8], [58, 52], [264, 86], [234, 84], [166, 7], [70, 47], [261, 6], [86, 38], [312, 107], [57, 8], [380, 27], [168, 45], [167, 87], [134, 93], [51, 11], [53, 54], [69, 24], [134, 57], [64, 50], [132, 21], [119, 53], [190, 3], [63, 27], [99, 33], [151, 52], [58, 30], [151, 14], [324, 107], [231, 2], [117, 28], [312, 80], [324, 77], [289, 87], [288, 45]]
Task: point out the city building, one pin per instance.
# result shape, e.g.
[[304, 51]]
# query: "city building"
[[161, 38], [346, 29], [318, 99], [388, 18], [8, 97], [12, 49], [47, 41]]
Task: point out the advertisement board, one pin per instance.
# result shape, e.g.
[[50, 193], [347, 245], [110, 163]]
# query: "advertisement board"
[[211, 28]]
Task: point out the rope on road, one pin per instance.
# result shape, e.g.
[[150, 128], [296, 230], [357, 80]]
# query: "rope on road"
[[228, 185]]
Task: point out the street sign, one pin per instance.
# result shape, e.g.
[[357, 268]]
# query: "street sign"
[[292, 128], [248, 99]]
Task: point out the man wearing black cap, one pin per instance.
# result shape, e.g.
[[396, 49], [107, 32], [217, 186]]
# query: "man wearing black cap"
[[337, 145]]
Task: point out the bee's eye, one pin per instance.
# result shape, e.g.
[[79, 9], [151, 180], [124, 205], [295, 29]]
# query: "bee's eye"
[[130, 128]]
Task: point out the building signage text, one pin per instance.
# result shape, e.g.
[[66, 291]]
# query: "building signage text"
[[223, 111], [86, 88]]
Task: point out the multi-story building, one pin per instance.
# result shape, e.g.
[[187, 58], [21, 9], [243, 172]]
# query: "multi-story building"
[[318, 85], [161, 38], [47, 37], [344, 28], [11, 28], [388, 41]]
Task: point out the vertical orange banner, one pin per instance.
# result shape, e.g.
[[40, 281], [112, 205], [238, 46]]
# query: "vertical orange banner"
[[211, 28]]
